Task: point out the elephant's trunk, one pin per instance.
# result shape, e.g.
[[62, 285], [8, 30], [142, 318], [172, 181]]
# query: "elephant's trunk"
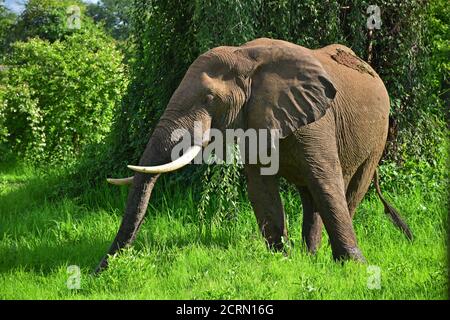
[[157, 153], [138, 199], [139, 194]]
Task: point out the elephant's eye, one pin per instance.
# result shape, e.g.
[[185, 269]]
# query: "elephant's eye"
[[209, 99]]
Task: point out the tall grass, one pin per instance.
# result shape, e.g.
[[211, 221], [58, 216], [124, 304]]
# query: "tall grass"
[[44, 229]]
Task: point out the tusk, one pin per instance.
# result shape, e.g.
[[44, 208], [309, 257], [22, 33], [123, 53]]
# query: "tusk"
[[121, 182], [187, 157]]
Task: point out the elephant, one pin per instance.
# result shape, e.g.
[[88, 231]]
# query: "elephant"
[[331, 110]]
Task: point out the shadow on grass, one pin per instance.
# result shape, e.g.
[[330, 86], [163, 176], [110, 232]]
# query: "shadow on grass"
[[35, 204], [47, 258]]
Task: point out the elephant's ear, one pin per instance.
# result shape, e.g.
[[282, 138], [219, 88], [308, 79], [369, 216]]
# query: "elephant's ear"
[[290, 89]]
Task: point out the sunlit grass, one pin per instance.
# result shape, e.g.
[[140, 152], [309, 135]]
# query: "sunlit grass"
[[44, 229]]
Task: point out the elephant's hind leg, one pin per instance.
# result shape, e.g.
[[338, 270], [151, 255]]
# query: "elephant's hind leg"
[[312, 223], [325, 181], [264, 195]]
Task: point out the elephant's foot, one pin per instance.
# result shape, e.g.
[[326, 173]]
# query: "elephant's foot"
[[279, 245], [276, 239], [345, 254]]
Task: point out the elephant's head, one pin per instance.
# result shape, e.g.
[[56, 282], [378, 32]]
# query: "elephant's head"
[[261, 85]]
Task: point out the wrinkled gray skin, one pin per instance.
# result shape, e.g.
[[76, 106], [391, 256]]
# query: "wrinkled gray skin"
[[331, 109]]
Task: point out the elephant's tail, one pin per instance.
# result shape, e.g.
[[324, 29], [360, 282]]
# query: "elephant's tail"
[[391, 211]]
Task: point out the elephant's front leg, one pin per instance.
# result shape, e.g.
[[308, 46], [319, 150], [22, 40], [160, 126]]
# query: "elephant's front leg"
[[264, 195]]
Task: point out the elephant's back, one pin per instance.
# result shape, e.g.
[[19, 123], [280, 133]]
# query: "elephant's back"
[[353, 77], [361, 107]]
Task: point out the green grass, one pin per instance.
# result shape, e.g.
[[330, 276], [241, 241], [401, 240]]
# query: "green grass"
[[44, 229]]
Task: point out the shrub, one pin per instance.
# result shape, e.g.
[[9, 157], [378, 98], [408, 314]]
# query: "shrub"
[[59, 97]]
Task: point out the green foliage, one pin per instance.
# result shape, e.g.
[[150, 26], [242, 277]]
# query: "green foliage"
[[296, 21], [162, 53], [403, 53], [224, 184], [439, 40], [59, 97]]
